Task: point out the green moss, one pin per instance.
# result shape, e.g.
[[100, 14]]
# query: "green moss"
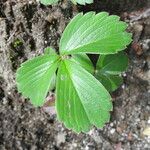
[[17, 43]]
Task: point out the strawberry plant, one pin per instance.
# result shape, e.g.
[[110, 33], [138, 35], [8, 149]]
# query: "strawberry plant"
[[81, 2], [82, 92]]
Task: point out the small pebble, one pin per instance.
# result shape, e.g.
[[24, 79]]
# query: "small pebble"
[[112, 131]]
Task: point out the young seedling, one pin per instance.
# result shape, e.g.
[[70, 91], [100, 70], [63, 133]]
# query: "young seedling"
[[81, 100], [81, 2]]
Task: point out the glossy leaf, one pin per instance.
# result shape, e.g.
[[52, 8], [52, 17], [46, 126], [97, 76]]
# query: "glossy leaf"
[[51, 51], [34, 77], [84, 61], [48, 2], [81, 100], [110, 82], [52, 82], [113, 64], [94, 33], [108, 69]]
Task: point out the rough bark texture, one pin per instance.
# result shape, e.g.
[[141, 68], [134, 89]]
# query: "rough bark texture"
[[26, 28]]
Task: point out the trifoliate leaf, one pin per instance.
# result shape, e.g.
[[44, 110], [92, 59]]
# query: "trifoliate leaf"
[[82, 2], [108, 69], [34, 77], [84, 61], [81, 100], [48, 2], [94, 33]]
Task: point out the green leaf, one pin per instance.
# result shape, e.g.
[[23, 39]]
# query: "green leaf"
[[48, 2], [82, 2], [81, 100], [112, 64], [50, 51], [94, 33], [110, 82], [108, 69], [34, 77], [52, 83], [84, 61]]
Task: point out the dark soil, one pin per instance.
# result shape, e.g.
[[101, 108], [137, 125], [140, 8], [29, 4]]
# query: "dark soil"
[[26, 28]]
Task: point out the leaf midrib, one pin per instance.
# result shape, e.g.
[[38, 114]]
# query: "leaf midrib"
[[75, 89], [100, 27], [72, 51]]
